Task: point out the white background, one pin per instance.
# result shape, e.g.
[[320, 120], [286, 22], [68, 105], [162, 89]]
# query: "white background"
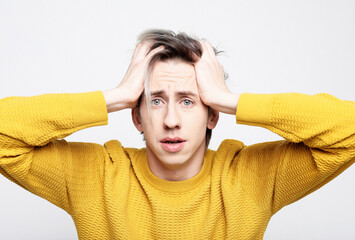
[[270, 46]]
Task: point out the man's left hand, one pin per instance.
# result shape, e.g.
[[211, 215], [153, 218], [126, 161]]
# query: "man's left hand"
[[211, 83]]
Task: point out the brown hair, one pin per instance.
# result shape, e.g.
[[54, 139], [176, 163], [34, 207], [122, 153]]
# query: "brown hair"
[[179, 47]]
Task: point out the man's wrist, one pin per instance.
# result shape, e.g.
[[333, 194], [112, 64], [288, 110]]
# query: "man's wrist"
[[227, 103], [116, 99]]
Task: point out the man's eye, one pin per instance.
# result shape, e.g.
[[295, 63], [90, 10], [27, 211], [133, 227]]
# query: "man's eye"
[[187, 102], [156, 102]]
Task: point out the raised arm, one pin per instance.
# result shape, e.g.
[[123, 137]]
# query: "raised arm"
[[30, 154], [319, 133], [29, 126], [320, 141]]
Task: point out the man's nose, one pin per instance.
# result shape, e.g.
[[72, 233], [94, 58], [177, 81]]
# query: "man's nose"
[[172, 117]]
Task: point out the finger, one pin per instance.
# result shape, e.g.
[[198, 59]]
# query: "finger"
[[195, 57], [206, 53], [155, 50], [136, 50], [143, 49], [210, 49], [211, 54], [204, 50], [152, 53]]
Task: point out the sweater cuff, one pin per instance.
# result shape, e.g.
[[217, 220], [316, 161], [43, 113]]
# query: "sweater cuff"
[[254, 109], [89, 109]]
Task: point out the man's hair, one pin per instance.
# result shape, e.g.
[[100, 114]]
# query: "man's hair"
[[180, 47]]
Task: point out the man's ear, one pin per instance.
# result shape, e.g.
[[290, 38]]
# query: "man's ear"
[[136, 118], [213, 117]]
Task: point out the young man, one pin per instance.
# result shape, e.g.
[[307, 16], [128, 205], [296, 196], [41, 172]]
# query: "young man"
[[175, 188]]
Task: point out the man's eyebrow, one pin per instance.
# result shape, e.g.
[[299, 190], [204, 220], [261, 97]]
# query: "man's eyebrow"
[[157, 93], [186, 93], [179, 93]]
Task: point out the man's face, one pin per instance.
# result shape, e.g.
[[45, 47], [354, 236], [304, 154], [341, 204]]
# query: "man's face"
[[175, 128]]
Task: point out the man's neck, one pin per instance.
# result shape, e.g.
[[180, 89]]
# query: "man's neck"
[[176, 172]]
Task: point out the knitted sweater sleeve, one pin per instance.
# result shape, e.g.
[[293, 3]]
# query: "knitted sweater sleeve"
[[320, 140], [30, 155]]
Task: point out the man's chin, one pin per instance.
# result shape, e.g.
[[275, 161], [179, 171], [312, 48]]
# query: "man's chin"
[[173, 158]]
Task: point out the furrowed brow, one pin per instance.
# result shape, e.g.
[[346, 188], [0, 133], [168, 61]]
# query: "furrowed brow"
[[157, 93], [179, 93], [186, 93]]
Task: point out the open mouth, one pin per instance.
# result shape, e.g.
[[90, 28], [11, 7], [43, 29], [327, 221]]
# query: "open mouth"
[[174, 144], [172, 140]]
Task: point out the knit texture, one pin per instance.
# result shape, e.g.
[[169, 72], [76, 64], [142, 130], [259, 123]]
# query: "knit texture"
[[111, 194]]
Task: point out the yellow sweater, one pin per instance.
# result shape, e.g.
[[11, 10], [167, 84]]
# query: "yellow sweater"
[[111, 194]]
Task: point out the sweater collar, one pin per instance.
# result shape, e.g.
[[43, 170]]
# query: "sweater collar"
[[174, 186]]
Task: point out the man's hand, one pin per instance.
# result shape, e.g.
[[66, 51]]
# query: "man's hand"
[[127, 93], [211, 84]]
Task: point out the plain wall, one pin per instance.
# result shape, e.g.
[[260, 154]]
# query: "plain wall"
[[270, 47]]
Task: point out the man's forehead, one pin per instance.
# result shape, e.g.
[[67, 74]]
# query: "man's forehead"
[[172, 71]]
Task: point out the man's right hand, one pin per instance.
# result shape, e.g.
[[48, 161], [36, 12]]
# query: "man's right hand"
[[127, 93]]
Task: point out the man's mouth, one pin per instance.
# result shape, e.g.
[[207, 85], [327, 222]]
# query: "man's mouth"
[[172, 140], [172, 144]]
